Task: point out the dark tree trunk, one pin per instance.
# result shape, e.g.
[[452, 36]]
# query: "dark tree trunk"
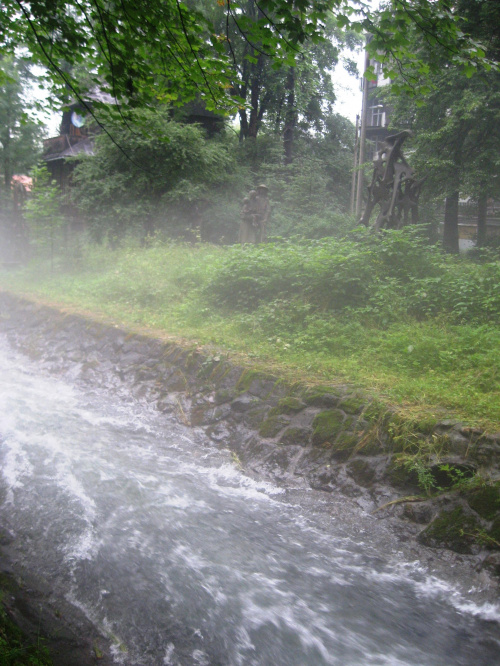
[[482, 206], [243, 124], [450, 231], [277, 122], [255, 90], [290, 116]]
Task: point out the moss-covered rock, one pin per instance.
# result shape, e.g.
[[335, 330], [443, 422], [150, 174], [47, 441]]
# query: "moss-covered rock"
[[369, 441], [494, 535], [247, 377], [177, 382], [295, 436], [255, 417], [324, 477], [361, 471], [454, 529], [344, 446], [353, 404], [485, 500], [288, 405], [400, 476], [224, 395], [326, 426], [322, 396], [263, 387], [272, 426]]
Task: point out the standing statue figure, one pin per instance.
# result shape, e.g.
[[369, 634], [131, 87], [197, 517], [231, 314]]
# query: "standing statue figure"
[[394, 187], [254, 216]]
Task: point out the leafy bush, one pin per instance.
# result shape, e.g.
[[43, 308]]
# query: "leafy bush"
[[138, 182], [383, 277]]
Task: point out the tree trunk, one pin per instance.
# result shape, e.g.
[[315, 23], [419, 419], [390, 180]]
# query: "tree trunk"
[[450, 231], [243, 124], [255, 89], [290, 116], [482, 206], [7, 163]]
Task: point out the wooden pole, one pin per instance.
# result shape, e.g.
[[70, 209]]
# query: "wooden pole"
[[362, 139], [355, 166]]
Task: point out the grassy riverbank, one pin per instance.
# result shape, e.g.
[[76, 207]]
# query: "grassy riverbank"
[[390, 314]]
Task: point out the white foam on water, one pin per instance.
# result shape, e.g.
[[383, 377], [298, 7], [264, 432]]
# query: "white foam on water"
[[227, 480], [169, 655], [192, 560], [15, 468], [486, 611], [173, 500], [84, 547], [286, 610], [200, 658], [430, 586]]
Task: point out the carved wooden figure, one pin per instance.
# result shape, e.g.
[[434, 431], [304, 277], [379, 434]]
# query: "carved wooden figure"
[[394, 187]]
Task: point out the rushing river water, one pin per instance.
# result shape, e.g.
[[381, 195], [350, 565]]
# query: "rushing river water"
[[182, 559]]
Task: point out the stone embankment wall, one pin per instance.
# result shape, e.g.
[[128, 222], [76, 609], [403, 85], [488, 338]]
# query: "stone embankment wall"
[[328, 437]]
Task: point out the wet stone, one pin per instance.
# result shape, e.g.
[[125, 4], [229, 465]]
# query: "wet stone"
[[353, 404], [272, 426], [418, 512], [361, 471], [295, 436], [257, 451], [243, 403], [324, 478], [279, 461], [253, 418], [326, 426], [350, 489], [492, 563], [289, 405], [207, 415], [224, 395], [453, 529], [261, 387], [458, 443], [220, 432]]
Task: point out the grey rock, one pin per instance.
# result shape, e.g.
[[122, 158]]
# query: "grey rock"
[[244, 402]]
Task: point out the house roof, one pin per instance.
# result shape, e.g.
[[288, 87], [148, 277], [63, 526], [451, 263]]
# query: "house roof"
[[68, 149]]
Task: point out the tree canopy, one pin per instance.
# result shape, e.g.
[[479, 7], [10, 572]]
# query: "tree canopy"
[[20, 135], [173, 51], [456, 121]]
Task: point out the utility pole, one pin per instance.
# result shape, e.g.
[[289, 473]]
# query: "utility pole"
[[355, 166], [362, 138]]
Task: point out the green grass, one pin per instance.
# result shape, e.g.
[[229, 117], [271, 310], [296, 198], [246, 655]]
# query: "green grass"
[[392, 316], [15, 648]]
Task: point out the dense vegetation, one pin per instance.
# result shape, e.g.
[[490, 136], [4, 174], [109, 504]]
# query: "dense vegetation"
[[389, 312], [177, 182]]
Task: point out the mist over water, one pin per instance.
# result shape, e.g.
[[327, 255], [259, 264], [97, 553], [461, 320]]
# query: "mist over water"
[[181, 559]]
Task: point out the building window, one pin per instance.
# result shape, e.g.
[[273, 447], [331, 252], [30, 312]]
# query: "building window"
[[376, 116]]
